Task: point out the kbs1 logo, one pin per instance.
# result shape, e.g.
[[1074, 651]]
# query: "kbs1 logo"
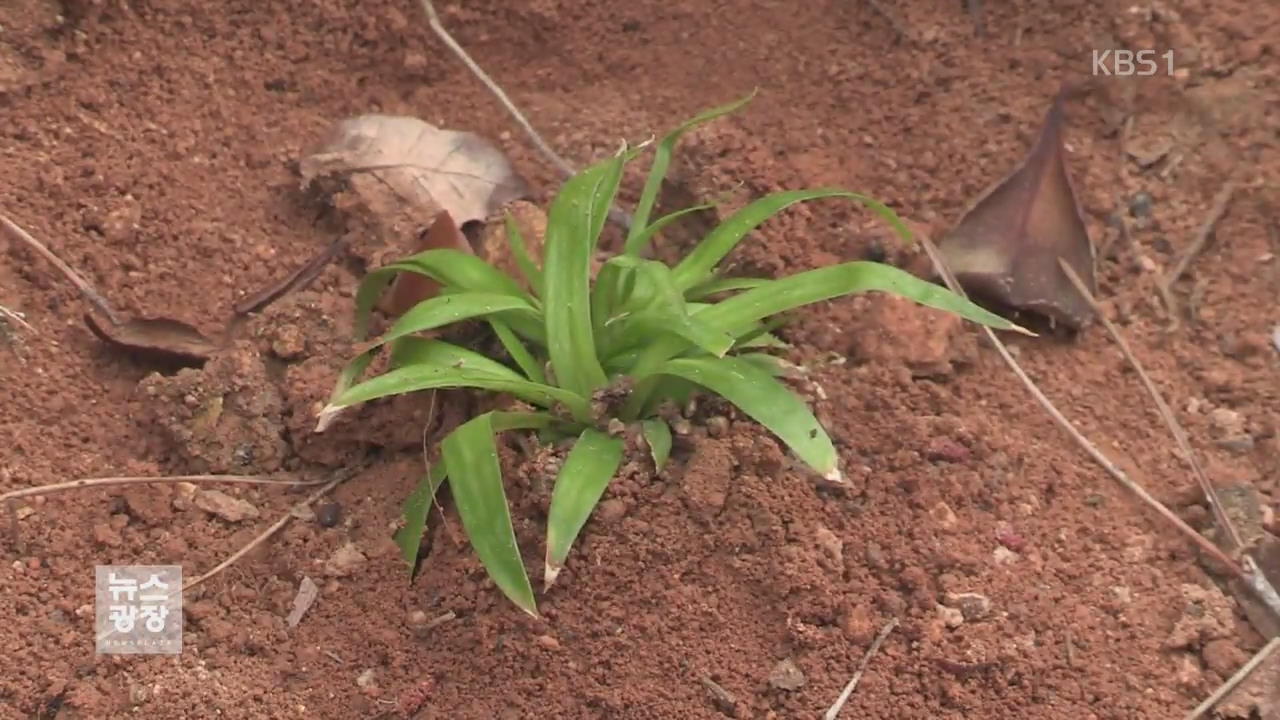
[[1125, 63]]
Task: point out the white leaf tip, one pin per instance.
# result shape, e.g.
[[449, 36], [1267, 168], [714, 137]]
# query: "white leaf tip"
[[549, 574]]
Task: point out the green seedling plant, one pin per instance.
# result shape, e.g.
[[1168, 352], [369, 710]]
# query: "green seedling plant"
[[589, 358]]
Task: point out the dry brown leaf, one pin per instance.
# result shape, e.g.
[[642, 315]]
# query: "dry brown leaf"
[[425, 167], [1007, 245], [409, 289], [160, 339]]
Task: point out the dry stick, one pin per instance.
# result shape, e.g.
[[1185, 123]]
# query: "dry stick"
[[342, 477], [838, 705], [1198, 243], [1253, 577], [892, 19], [1112, 469], [81, 284], [106, 481], [15, 317], [1166, 414], [616, 214], [1232, 682]]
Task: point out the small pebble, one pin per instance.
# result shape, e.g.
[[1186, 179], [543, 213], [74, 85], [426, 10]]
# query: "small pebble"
[[328, 514], [972, 606], [786, 676], [1140, 204], [717, 426], [951, 617]]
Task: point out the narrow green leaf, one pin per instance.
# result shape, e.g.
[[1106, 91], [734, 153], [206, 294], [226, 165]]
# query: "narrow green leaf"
[[734, 315], [764, 361], [718, 285], [658, 173], [476, 484], [698, 265], [456, 307], [520, 251], [586, 472], [413, 378], [451, 268], [656, 306], [644, 237], [573, 228], [518, 352], [409, 537], [657, 435], [765, 400], [438, 354]]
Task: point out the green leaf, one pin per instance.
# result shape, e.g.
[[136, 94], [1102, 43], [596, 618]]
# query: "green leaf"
[[735, 315], [767, 401], [456, 307], [656, 306], [657, 435], [661, 161], [413, 378], [520, 252], [476, 484], [718, 285], [573, 228], [409, 537], [586, 472], [451, 268], [642, 239], [698, 265], [438, 354], [519, 353]]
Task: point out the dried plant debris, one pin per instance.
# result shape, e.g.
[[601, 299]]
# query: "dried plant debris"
[[156, 339], [421, 167], [409, 289], [1006, 248]]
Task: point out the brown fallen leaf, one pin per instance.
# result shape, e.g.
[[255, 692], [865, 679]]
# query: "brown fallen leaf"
[[409, 289], [1006, 247], [425, 167], [158, 339]]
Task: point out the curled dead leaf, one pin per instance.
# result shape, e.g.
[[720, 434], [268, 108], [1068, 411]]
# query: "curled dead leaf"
[[409, 289], [1007, 245], [426, 168], [157, 339]]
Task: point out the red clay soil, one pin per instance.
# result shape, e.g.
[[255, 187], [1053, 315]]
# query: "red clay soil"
[[153, 145]]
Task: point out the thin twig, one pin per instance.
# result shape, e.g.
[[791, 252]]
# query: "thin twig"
[[892, 19], [342, 477], [15, 317], [106, 481], [838, 705], [1166, 414], [1112, 469], [1235, 680], [1197, 245], [616, 214], [17, 233]]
